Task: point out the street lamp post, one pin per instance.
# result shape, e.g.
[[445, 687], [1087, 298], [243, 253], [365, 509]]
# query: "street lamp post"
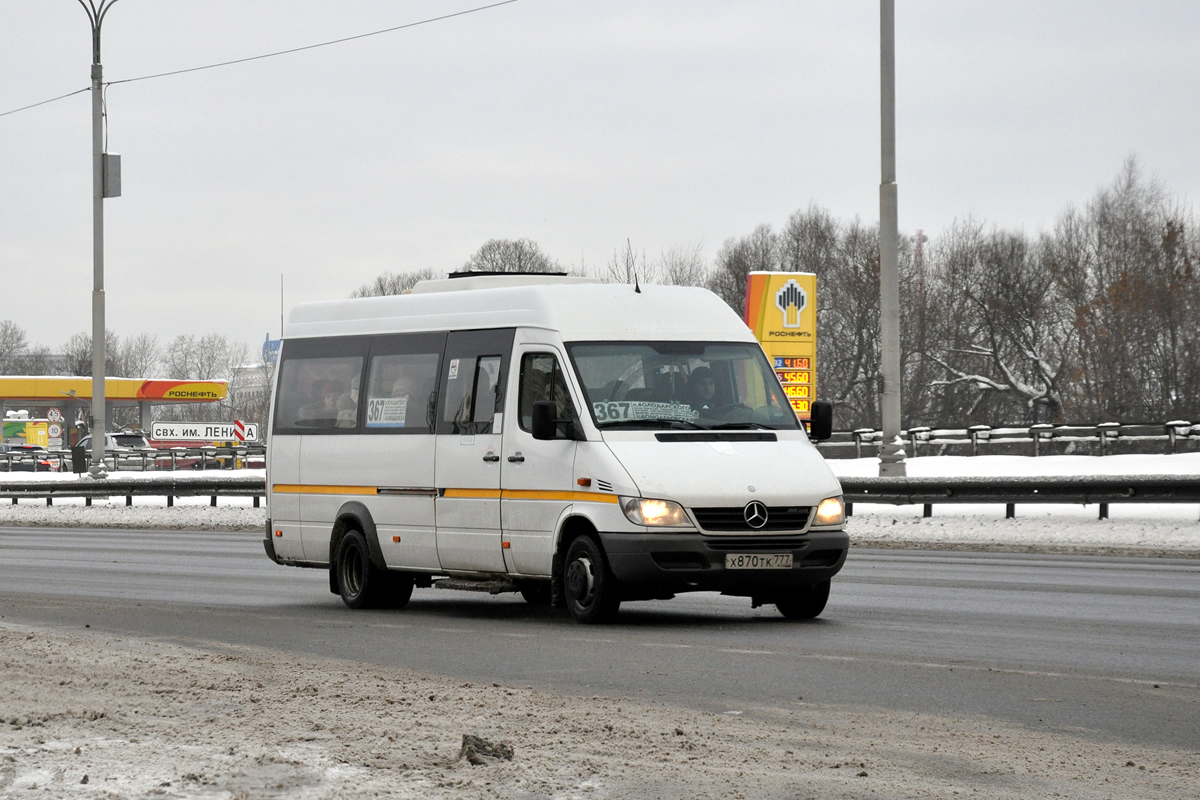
[[100, 166], [891, 450]]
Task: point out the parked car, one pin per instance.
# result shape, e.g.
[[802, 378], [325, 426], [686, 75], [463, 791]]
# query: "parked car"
[[130, 449], [27, 458]]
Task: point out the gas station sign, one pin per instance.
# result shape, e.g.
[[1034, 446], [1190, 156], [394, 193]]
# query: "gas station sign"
[[781, 309]]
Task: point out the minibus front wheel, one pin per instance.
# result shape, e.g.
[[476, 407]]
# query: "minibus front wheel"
[[806, 602], [362, 584], [589, 587]]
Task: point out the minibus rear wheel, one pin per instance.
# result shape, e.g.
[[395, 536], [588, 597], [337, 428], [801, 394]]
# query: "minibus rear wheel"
[[362, 584], [589, 587], [806, 602]]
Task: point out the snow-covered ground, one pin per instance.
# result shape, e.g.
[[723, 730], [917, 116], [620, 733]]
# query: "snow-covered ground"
[[1133, 529]]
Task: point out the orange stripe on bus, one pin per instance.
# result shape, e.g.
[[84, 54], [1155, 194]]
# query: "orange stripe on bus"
[[312, 488]]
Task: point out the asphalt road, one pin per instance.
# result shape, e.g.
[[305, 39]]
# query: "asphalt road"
[[1100, 647]]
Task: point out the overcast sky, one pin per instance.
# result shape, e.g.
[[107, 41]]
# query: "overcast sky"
[[576, 123]]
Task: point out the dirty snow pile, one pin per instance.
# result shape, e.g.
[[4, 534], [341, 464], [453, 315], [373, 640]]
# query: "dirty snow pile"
[[92, 715]]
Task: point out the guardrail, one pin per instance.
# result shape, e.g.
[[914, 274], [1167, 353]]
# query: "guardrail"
[[1099, 489], [927, 492], [165, 486], [1037, 440], [143, 460]]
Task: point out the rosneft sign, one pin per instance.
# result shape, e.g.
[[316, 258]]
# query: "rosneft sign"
[[781, 309], [195, 391]]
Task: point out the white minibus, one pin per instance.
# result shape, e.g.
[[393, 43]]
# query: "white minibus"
[[581, 443]]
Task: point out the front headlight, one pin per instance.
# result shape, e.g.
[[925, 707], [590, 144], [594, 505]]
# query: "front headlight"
[[831, 512], [655, 513]]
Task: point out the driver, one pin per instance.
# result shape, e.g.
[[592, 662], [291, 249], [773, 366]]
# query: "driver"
[[701, 388]]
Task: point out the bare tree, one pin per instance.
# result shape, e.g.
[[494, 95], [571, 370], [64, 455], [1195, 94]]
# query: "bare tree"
[[208, 357], [137, 357], [511, 255], [682, 265], [396, 283], [1013, 337], [626, 267], [737, 258], [13, 347], [78, 350]]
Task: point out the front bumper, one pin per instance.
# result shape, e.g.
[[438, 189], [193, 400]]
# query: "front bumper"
[[694, 562]]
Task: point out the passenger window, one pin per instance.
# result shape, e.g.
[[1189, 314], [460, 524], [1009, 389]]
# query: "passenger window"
[[319, 393], [542, 379], [401, 391]]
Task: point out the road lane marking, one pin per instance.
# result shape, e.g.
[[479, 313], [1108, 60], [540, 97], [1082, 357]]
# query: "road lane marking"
[[747, 652]]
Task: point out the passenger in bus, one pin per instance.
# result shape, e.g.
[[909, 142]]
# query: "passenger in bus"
[[322, 412], [347, 409], [701, 387]]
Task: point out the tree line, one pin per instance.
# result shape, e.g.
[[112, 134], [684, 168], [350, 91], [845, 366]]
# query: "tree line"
[[1096, 319]]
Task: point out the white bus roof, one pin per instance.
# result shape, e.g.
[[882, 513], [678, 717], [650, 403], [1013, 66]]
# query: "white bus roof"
[[580, 309]]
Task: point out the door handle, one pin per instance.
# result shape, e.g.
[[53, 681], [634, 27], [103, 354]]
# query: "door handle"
[[516, 459], [490, 457]]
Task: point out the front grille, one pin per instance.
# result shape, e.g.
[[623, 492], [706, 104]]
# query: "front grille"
[[779, 518], [750, 544]]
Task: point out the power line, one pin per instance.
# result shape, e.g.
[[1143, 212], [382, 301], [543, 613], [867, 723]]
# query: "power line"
[[44, 102], [314, 46], [272, 55]]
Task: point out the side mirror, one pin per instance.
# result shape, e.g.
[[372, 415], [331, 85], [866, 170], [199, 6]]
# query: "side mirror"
[[543, 419], [820, 427]]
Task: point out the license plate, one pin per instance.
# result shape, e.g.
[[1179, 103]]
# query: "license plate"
[[758, 561]]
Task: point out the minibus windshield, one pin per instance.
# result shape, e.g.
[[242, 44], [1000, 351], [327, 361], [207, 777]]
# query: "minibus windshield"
[[681, 385]]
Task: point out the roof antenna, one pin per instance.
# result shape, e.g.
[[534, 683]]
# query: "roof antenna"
[[636, 288]]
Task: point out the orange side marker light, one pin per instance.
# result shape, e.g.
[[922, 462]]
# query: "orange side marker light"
[[395, 538], [505, 545], [279, 533], [585, 482]]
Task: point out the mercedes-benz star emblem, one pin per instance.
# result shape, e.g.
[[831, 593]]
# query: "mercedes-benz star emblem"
[[755, 514]]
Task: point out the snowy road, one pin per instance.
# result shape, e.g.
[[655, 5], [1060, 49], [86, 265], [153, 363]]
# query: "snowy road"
[[1105, 645]]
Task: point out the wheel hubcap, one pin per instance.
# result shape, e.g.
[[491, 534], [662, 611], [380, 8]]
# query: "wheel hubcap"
[[352, 573], [580, 582]]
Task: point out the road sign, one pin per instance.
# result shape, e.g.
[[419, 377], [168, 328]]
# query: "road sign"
[[237, 431], [54, 415], [54, 430]]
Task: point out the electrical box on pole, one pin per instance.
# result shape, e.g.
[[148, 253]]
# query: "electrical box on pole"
[[112, 175]]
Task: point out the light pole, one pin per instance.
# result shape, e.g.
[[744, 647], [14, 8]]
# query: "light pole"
[[102, 167], [891, 450]]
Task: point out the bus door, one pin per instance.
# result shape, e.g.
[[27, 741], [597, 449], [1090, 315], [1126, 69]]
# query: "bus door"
[[469, 450], [538, 475]]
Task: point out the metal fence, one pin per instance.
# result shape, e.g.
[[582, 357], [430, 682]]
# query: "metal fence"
[[1100, 490], [141, 460], [1106, 438], [165, 486]]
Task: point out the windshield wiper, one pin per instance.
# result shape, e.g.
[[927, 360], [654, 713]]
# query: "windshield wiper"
[[730, 426], [648, 423]]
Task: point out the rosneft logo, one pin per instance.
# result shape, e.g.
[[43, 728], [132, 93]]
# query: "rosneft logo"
[[791, 300]]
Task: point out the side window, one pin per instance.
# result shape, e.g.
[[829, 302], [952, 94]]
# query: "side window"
[[471, 389], [401, 390], [487, 378], [473, 376], [319, 394], [542, 379]]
